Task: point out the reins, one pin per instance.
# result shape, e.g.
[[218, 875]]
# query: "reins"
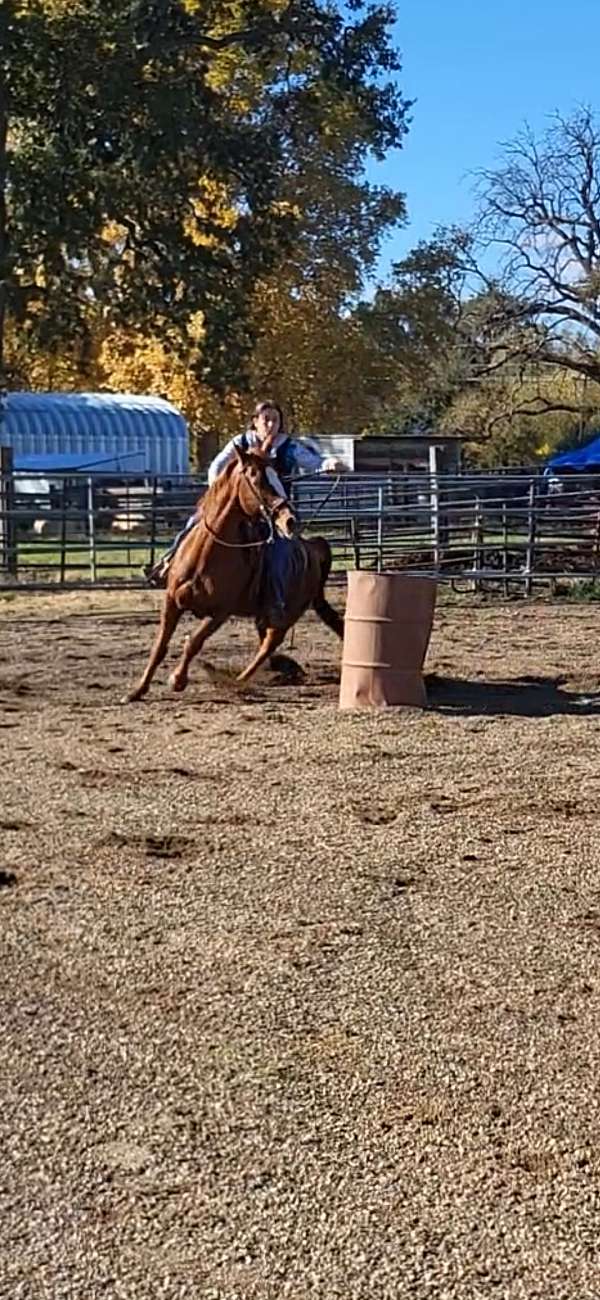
[[323, 503], [268, 516], [241, 546]]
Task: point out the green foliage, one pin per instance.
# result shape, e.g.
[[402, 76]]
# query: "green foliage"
[[412, 326], [152, 148], [586, 591], [465, 355]]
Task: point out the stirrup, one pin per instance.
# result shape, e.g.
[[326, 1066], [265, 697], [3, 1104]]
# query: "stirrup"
[[156, 574]]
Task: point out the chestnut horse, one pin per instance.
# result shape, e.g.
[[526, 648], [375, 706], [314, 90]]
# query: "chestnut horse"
[[218, 569]]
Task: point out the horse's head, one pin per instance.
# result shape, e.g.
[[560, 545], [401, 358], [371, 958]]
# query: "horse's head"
[[259, 493]]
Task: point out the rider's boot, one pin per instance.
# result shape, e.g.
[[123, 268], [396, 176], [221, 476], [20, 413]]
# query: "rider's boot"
[[156, 574]]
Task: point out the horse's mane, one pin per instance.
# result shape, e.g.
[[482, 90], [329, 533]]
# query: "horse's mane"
[[220, 490]]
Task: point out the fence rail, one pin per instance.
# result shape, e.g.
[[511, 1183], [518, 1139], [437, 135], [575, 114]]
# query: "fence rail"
[[509, 529]]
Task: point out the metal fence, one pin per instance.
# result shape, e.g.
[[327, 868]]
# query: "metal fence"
[[514, 529]]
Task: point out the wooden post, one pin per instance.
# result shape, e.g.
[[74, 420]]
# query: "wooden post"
[[505, 547], [91, 528], [379, 529], [8, 548], [128, 515], [596, 550], [355, 538], [434, 501], [63, 533], [477, 542], [531, 534], [153, 520], [434, 504]]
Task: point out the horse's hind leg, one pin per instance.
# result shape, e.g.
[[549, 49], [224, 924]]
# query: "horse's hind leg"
[[283, 664], [179, 678], [261, 629], [169, 618], [272, 638]]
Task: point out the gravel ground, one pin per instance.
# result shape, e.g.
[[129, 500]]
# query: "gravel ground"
[[299, 1003]]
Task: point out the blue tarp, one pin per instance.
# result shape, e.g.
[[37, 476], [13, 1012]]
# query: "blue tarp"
[[62, 463], [579, 458]]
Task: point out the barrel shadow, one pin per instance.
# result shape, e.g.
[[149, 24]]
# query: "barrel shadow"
[[527, 697]]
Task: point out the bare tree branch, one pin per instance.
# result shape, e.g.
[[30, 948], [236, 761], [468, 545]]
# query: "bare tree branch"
[[539, 216], [537, 406]]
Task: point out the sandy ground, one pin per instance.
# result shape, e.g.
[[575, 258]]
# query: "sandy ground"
[[298, 1003]]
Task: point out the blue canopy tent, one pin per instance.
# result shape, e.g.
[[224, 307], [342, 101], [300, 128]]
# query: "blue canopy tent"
[[578, 460]]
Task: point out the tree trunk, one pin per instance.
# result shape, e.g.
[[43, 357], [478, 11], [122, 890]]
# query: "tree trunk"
[[3, 225]]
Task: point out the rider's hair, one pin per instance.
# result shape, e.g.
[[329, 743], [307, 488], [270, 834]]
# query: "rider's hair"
[[268, 405]]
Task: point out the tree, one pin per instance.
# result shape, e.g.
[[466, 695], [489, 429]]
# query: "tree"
[[517, 348], [540, 216], [146, 151], [311, 349], [308, 350], [519, 420], [413, 326]]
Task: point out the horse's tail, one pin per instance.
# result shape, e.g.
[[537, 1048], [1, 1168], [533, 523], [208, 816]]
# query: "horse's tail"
[[328, 615]]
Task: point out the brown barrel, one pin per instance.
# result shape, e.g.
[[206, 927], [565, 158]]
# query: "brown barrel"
[[387, 628]]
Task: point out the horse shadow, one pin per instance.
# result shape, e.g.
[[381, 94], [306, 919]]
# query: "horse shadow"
[[524, 697]]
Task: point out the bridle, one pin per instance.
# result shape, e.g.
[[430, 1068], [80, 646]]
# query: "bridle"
[[268, 513]]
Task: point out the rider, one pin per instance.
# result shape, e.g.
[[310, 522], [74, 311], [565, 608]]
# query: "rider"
[[287, 456]]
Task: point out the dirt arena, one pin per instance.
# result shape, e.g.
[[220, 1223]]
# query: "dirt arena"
[[298, 1003]]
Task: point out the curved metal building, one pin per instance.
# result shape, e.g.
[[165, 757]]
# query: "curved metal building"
[[106, 433]]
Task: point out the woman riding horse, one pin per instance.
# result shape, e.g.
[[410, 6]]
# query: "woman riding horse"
[[218, 572], [286, 456]]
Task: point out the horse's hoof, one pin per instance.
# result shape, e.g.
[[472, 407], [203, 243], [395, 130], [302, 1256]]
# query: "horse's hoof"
[[176, 684], [131, 697], [287, 669]]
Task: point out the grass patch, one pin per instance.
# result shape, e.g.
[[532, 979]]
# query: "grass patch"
[[586, 591]]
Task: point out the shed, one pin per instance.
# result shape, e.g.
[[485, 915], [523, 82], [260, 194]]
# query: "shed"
[[387, 453], [429, 453], [100, 433]]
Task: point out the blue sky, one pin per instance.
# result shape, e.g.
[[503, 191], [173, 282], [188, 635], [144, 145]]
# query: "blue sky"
[[478, 71]]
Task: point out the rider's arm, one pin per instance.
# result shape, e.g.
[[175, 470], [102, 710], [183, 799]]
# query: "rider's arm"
[[222, 459], [311, 460], [307, 457]]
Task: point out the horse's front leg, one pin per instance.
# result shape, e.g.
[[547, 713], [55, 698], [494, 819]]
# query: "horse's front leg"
[[169, 618], [179, 678]]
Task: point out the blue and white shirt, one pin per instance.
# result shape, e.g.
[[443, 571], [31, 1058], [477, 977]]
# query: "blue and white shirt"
[[298, 455]]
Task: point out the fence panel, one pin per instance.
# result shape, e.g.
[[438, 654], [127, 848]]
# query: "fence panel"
[[8, 556], [511, 529]]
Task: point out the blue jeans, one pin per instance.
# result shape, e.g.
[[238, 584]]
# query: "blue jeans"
[[279, 570]]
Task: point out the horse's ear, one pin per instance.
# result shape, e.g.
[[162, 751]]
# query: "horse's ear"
[[241, 454]]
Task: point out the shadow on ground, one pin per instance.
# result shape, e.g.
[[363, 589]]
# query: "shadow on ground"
[[527, 697]]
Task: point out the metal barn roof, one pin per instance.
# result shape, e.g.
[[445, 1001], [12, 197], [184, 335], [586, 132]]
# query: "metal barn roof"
[[81, 430]]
